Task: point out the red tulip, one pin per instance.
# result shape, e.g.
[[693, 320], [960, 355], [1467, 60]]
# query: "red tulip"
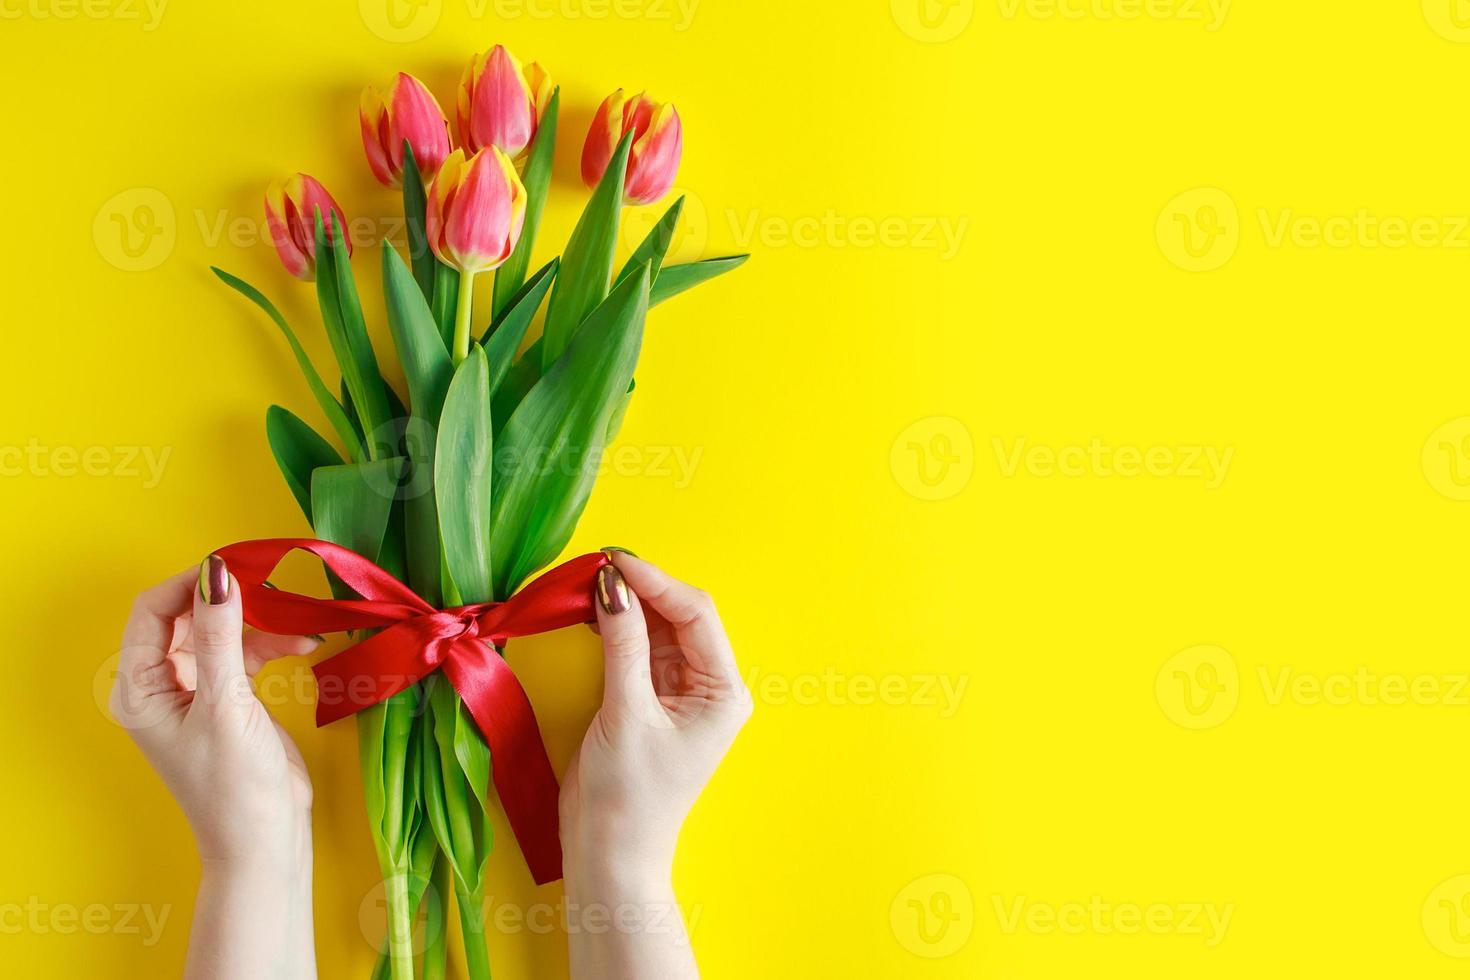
[[500, 103], [290, 215], [410, 113], [658, 142]]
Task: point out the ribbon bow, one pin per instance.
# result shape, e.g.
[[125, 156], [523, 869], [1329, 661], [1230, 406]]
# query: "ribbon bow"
[[415, 640]]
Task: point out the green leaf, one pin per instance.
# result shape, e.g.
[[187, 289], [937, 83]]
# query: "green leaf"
[[655, 245], [347, 330], [446, 299], [299, 452], [518, 382], [460, 824], [675, 279], [415, 204], [615, 424], [537, 180], [547, 455], [428, 370], [462, 469], [331, 408], [504, 337], [421, 350], [586, 265], [351, 504]]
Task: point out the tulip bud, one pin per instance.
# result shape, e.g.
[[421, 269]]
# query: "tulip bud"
[[500, 103], [409, 112], [475, 210], [658, 142], [290, 215]]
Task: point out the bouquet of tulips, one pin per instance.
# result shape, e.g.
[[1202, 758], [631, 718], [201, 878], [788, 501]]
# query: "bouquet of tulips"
[[478, 478]]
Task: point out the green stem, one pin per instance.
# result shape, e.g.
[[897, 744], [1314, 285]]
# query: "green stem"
[[436, 952], [400, 927], [462, 316], [472, 924]]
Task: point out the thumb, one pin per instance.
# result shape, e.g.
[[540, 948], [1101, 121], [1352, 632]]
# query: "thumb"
[[219, 655], [627, 681]]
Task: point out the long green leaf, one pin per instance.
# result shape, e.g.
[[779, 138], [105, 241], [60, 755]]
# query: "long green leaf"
[[516, 384], [460, 825], [426, 364], [537, 180], [347, 330], [446, 298], [462, 471], [547, 455], [428, 370], [331, 408], [586, 265], [414, 206], [504, 337], [299, 452], [675, 279], [655, 245]]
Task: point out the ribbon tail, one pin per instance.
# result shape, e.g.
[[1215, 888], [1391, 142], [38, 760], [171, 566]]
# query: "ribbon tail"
[[518, 762]]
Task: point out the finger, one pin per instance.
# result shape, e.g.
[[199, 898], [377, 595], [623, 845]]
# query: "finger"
[[627, 681], [219, 656], [690, 612], [144, 674], [148, 636], [261, 648]]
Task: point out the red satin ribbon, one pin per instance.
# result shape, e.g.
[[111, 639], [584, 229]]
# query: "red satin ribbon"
[[415, 640]]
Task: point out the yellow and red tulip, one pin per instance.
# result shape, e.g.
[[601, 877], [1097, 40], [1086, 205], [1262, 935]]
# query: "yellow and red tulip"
[[658, 142], [500, 103], [290, 215], [476, 207], [408, 112]]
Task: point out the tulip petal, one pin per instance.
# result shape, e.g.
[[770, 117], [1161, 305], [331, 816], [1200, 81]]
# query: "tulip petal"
[[654, 161], [415, 116], [602, 138]]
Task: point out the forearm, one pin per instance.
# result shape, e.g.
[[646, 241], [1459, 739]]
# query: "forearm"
[[253, 919], [623, 922]]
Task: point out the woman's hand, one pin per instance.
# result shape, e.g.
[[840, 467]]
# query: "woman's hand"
[[183, 693], [673, 702]]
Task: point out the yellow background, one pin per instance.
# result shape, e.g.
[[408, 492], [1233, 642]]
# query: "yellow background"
[[1133, 730]]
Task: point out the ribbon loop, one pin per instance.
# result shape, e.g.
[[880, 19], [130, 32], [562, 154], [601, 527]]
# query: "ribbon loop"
[[415, 640]]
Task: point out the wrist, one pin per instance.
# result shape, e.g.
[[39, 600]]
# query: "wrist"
[[279, 850], [618, 855]]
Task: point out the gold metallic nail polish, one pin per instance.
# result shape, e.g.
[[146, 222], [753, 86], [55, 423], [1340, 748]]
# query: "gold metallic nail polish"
[[612, 591], [214, 581]]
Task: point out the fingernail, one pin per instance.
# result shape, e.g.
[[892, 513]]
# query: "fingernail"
[[613, 547], [612, 591], [214, 581]]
